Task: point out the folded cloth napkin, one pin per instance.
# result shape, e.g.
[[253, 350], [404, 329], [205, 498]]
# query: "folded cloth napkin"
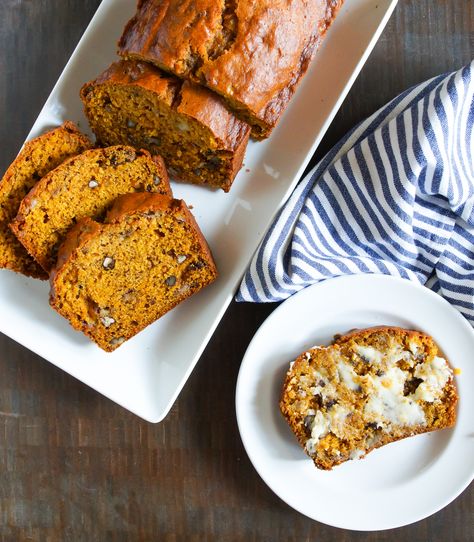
[[395, 196]]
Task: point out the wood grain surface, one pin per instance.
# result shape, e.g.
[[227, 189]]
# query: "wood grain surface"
[[76, 467]]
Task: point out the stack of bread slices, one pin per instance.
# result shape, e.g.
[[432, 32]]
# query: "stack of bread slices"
[[102, 224], [193, 82]]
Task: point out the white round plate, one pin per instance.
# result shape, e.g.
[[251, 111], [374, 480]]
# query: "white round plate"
[[396, 485]]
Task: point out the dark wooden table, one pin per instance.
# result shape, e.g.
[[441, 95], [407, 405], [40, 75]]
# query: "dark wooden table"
[[75, 466]]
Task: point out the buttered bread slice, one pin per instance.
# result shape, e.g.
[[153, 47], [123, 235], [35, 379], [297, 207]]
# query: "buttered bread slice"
[[369, 388]]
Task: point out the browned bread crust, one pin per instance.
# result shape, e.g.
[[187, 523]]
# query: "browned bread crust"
[[84, 185], [252, 53], [37, 158], [369, 388], [135, 103], [112, 280]]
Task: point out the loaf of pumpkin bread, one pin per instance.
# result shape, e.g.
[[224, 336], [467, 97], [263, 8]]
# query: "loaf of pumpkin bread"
[[252, 53], [85, 185], [113, 279], [136, 104], [371, 387], [37, 158]]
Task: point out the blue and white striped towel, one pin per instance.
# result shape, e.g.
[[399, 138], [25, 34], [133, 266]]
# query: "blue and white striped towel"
[[395, 196]]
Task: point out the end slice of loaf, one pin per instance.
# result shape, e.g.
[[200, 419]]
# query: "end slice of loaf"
[[371, 387], [37, 158], [85, 185], [114, 279], [134, 103]]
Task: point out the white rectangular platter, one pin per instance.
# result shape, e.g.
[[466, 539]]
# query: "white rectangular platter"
[[147, 373]]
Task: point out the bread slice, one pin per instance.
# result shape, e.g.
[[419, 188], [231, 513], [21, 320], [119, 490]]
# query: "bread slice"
[[136, 104], [371, 387], [37, 158], [113, 279], [85, 185]]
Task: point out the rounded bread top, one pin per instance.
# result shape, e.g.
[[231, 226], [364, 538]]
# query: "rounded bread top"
[[247, 51]]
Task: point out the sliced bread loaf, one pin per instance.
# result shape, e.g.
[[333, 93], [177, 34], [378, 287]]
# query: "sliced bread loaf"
[[37, 158], [134, 103], [252, 53], [111, 280], [370, 388], [85, 185]]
